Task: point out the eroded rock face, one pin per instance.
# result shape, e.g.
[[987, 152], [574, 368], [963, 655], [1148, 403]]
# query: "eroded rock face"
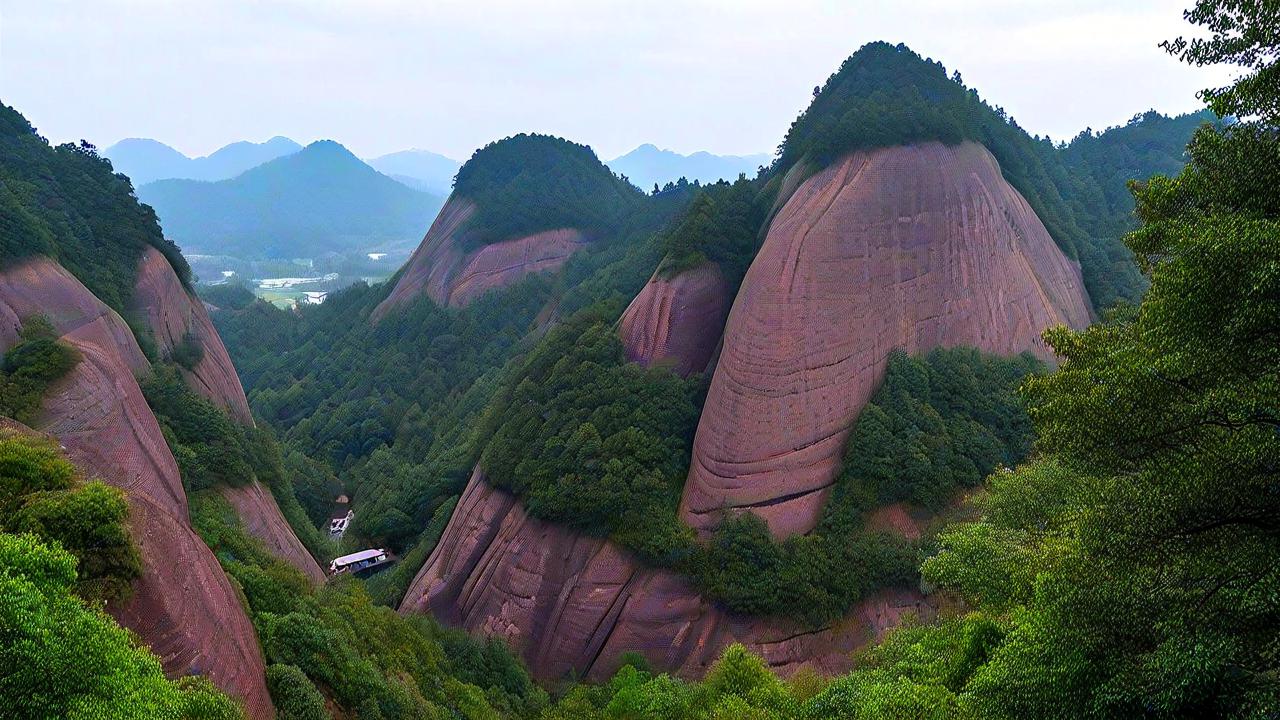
[[910, 247], [571, 602], [677, 321], [172, 314], [451, 277], [262, 519], [183, 607]]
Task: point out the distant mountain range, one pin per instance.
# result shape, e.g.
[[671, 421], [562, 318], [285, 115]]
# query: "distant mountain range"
[[145, 160], [419, 169], [320, 199], [648, 164]]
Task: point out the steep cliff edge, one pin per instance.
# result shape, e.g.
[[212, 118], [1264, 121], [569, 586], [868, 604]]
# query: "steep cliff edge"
[[677, 321], [175, 317], [568, 602], [183, 607], [910, 247], [451, 276]]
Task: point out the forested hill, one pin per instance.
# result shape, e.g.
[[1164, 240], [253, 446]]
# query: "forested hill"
[[885, 95], [528, 183], [67, 203], [320, 199]]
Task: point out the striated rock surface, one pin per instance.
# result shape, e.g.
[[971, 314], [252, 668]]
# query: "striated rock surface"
[[172, 314], [262, 519], [677, 321], [441, 269], [910, 247], [183, 607], [567, 602]]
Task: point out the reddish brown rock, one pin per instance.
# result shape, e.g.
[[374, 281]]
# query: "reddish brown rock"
[[172, 314], [677, 321], [568, 602], [262, 519], [910, 247], [441, 269], [183, 607]]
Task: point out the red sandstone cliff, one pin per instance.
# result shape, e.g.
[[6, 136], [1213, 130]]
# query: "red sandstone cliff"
[[262, 519], [677, 321], [566, 602], [451, 277], [172, 314], [909, 247], [183, 607]]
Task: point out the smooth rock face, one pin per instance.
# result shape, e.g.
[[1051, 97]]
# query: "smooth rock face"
[[911, 247], [183, 607], [677, 321], [262, 519], [453, 278], [566, 602], [171, 313]]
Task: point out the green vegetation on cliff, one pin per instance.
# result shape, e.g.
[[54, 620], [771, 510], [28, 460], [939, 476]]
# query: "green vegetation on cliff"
[[33, 364], [529, 183], [1129, 570], [65, 202], [335, 642], [885, 95], [64, 549]]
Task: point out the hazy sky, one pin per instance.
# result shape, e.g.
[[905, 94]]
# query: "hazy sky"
[[726, 76]]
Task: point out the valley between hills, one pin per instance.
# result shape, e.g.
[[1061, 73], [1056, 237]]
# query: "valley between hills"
[[922, 416]]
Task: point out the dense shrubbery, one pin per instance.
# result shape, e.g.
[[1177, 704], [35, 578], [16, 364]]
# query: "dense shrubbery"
[[63, 658], [592, 441], [34, 363], [40, 494], [66, 203], [371, 661], [723, 225], [212, 450], [938, 423], [528, 183]]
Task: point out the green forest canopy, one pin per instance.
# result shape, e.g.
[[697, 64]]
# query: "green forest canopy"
[[528, 183], [65, 203]]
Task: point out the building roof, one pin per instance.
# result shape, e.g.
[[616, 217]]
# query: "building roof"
[[358, 556]]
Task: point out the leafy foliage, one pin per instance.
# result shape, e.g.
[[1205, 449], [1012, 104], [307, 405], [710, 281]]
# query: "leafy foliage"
[[1241, 33], [371, 661], [592, 441], [528, 183], [66, 203], [64, 659], [42, 495], [34, 363], [722, 224]]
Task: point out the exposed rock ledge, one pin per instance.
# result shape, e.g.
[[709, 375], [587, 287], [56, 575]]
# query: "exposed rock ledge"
[[677, 321], [912, 247], [567, 602], [184, 607], [451, 277], [172, 314]]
